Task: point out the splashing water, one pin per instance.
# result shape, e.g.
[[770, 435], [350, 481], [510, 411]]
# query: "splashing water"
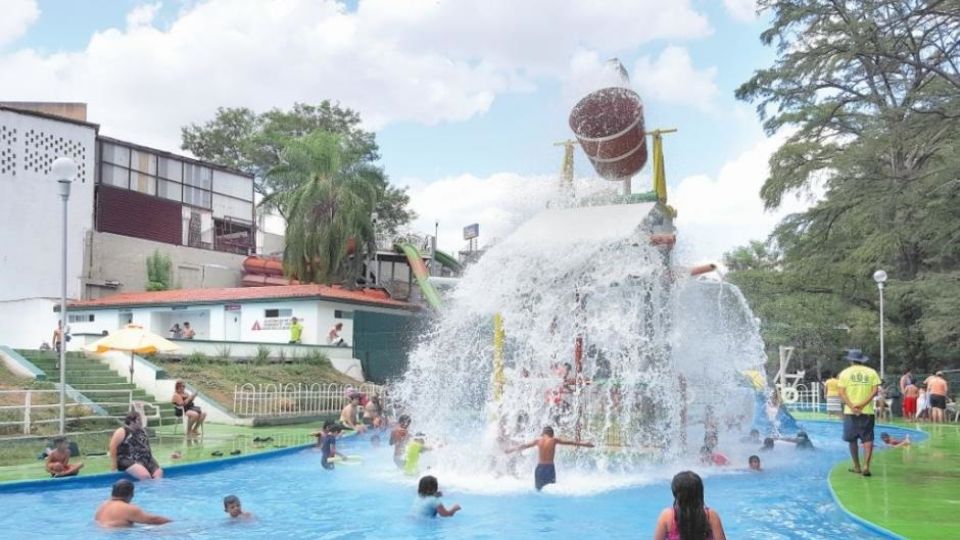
[[604, 341]]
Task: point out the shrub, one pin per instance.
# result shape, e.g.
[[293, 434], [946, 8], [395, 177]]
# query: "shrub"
[[318, 358], [197, 357], [263, 354], [159, 272], [223, 353]]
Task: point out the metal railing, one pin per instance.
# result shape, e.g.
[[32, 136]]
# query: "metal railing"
[[24, 408], [295, 399], [802, 398]]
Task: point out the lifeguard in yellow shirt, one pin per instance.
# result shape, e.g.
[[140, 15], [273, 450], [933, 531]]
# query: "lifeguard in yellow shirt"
[[858, 386]]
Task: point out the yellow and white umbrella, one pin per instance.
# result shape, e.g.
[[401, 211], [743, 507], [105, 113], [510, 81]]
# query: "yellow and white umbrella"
[[134, 339]]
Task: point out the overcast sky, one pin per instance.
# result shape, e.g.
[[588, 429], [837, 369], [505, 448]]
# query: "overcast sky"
[[466, 96]]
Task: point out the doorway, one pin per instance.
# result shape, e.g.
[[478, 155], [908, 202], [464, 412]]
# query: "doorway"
[[231, 323]]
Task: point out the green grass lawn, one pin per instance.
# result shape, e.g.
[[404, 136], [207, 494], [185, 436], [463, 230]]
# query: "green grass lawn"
[[217, 379], [914, 491], [18, 459]]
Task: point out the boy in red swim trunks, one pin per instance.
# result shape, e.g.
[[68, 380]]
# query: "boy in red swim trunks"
[[546, 472]]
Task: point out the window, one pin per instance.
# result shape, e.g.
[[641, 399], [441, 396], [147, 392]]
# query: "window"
[[143, 162], [277, 313], [169, 190], [171, 169], [143, 183], [197, 176], [118, 155], [337, 314], [197, 197], [114, 176], [79, 317]]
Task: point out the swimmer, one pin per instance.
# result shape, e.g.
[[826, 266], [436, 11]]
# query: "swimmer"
[[546, 444], [348, 416], [753, 438], [754, 462], [231, 505], [411, 464], [767, 444], [58, 461], [329, 445], [802, 440], [890, 441], [118, 512], [398, 439], [429, 502], [707, 454]]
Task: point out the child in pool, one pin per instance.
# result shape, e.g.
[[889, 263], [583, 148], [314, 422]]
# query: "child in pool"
[[429, 502], [890, 441], [546, 472], [754, 462], [231, 505], [412, 459], [329, 445]]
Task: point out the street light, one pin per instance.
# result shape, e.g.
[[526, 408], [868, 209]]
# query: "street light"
[[64, 170], [374, 216], [880, 277]]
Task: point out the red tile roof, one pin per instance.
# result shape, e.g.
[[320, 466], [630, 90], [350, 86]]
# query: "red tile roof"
[[220, 296]]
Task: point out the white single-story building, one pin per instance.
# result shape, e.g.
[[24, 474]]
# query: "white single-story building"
[[237, 315]]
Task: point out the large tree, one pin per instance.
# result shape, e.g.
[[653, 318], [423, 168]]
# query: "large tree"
[[328, 211], [240, 138], [870, 91]]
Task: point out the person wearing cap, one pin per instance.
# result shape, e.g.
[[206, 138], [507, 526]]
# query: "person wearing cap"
[[858, 386], [937, 394]]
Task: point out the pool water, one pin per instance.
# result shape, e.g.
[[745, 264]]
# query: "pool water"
[[293, 497]]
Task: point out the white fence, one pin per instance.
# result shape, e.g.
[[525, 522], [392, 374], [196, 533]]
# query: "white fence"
[[295, 399], [27, 409], [802, 398]]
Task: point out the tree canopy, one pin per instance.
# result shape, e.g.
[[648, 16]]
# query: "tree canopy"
[[869, 91], [254, 143]]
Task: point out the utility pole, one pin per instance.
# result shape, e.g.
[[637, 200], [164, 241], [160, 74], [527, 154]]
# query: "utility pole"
[[566, 169]]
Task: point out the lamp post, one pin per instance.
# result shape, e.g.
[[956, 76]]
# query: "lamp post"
[[64, 170], [880, 277], [374, 216]]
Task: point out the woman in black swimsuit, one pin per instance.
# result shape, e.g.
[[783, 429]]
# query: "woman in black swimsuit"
[[130, 450], [184, 406]]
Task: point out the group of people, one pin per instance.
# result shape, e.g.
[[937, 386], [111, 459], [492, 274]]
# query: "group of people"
[[118, 511], [926, 400], [182, 332]]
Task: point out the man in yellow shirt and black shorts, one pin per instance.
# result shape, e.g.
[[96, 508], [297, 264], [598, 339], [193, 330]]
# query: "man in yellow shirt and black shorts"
[[831, 389], [858, 386]]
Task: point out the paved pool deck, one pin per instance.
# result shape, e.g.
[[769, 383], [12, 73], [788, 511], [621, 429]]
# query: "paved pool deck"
[[914, 491], [217, 438]]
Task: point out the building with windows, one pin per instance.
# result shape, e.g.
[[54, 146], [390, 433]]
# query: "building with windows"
[[127, 202]]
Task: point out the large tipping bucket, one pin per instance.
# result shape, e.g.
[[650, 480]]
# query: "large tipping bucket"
[[609, 125]]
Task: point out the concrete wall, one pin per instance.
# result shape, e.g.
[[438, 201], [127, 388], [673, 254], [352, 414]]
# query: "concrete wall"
[[123, 259], [31, 207], [25, 324]]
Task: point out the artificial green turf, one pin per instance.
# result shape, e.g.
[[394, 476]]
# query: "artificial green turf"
[[914, 491], [23, 465]]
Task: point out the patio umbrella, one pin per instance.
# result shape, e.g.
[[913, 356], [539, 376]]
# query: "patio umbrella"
[[134, 339]]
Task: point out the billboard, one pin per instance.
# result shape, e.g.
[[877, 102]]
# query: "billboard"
[[471, 231]]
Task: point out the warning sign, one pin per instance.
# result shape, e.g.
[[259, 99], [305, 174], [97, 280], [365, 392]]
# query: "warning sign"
[[256, 326], [272, 324]]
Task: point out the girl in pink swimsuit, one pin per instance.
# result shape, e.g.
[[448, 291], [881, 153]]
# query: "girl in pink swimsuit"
[[688, 519]]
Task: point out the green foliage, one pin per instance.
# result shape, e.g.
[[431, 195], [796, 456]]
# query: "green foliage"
[[317, 358], [196, 357], [159, 272], [223, 353], [870, 90], [263, 355], [254, 143], [331, 207]]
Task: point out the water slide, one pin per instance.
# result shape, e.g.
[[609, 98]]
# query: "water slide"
[[448, 261], [782, 422], [420, 272]]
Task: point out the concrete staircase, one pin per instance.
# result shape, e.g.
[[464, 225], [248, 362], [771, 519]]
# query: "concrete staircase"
[[85, 374]]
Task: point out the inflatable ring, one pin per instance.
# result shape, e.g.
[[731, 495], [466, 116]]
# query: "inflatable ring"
[[789, 395]]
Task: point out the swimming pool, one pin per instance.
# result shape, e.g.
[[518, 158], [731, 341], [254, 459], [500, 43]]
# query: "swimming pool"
[[293, 497]]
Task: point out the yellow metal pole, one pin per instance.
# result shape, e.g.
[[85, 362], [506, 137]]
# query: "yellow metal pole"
[[499, 379], [566, 170], [659, 172]]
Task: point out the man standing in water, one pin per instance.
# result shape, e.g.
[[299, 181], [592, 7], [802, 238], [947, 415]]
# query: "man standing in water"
[[118, 512], [546, 472], [858, 386]]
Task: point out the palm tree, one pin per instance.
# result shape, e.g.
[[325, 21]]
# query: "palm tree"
[[330, 205]]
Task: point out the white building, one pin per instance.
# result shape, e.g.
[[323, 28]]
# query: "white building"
[[126, 202]]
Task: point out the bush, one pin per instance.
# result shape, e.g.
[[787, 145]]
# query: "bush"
[[196, 357], [317, 358], [223, 353], [263, 354], [159, 272]]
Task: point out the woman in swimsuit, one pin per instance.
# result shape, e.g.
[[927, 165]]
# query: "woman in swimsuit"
[[184, 406], [688, 518], [130, 450]]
